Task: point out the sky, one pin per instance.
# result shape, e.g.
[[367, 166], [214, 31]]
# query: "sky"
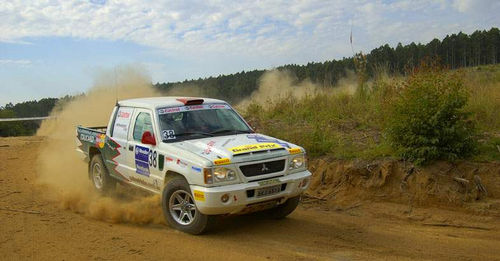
[[52, 48]]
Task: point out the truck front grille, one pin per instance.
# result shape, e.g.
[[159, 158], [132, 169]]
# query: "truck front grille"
[[263, 168]]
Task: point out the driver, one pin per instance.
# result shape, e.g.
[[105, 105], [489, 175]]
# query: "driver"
[[199, 121]]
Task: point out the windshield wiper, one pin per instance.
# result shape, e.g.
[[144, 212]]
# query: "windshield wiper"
[[189, 133], [231, 131], [194, 133]]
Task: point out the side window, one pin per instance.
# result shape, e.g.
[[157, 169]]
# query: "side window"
[[122, 122], [142, 124]]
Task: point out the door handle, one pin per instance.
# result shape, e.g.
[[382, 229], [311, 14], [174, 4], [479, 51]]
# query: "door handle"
[[130, 147]]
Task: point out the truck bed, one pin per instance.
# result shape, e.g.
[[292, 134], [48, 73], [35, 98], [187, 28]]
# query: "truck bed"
[[98, 129], [90, 137]]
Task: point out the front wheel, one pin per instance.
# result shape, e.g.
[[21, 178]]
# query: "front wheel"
[[103, 183], [285, 209], [180, 210]]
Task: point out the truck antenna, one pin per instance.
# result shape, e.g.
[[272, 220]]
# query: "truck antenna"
[[116, 87], [350, 39]]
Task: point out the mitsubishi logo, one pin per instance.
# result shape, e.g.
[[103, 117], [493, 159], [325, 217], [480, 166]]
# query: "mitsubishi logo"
[[264, 168]]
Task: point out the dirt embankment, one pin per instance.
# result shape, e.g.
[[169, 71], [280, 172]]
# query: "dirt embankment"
[[470, 186], [358, 221]]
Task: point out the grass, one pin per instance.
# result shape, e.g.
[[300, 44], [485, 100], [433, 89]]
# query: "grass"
[[324, 123], [344, 125], [484, 87]]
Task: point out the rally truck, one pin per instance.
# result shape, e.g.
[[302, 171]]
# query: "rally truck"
[[199, 155]]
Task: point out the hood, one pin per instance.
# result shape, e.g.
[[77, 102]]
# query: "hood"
[[237, 148]]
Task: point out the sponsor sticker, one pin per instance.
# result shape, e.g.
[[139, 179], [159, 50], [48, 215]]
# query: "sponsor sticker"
[[123, 114], [259, 138], [100, 140], [122, 122], [122, 126], [169, 110], [222, 161], [254, 147], [218, 106], [199, 195], [209, 147], [155, 183], [181, 163], [195, 107], [192, 108], [87, 137], [295, 150], [142, 160]]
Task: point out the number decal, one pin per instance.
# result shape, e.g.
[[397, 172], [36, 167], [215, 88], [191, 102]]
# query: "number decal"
[[153, 158], [168, 135]]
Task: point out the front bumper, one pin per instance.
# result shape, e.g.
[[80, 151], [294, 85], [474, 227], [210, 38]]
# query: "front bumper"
[[208, 200]]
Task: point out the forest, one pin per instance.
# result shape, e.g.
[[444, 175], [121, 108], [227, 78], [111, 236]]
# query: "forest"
[[454, 51], [35, 108]]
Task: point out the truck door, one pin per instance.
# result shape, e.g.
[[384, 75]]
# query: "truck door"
[[143, 158], [117, 147]]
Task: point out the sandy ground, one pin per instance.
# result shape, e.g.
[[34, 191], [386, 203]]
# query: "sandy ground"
[[34, 227]]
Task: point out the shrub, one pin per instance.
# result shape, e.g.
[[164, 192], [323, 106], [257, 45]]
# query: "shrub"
[[427, 119]]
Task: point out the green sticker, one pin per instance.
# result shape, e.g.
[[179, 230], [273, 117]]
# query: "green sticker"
[[161, 160]]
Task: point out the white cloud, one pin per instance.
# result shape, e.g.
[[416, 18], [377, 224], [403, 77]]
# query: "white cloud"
[[476, 6], [275, 31], [15, 62]]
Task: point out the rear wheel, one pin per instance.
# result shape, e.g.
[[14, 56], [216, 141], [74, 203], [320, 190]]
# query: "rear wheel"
[[285, 209], [103, 183], [180, 209]]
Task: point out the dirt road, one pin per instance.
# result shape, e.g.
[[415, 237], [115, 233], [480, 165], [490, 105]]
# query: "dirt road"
[[34, 227]]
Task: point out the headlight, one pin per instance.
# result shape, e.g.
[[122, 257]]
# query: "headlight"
[[298, 162], [224, 174]]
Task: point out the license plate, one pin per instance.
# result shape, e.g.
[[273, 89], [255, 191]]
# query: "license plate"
[[268, 191], [269, 182]]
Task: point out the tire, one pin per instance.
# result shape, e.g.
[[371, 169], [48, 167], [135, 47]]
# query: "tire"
[[285, 209], [180, 209], [101, 181]]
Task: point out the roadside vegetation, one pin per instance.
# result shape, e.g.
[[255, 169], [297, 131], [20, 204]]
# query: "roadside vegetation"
[[389, 106], [454, 51], [34, 108], [431, 113]]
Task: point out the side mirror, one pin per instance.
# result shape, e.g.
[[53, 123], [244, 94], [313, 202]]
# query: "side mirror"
[[148, 138], [251, 125]]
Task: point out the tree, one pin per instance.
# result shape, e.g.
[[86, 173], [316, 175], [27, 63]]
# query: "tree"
[[428, 120]]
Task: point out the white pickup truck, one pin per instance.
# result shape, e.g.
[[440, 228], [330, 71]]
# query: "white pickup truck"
[[199, 154]]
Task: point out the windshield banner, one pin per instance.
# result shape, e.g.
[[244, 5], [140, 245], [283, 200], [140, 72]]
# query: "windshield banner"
[[192, 108]]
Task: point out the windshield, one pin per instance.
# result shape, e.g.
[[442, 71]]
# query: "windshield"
[[199, 121]]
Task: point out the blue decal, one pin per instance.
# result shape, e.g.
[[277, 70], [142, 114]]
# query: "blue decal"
[[141, 160], [196, 169], [259, 138]]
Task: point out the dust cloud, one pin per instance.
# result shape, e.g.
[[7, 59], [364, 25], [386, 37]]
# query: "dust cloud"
[[64, 173], [187, 91], [276, 85]]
